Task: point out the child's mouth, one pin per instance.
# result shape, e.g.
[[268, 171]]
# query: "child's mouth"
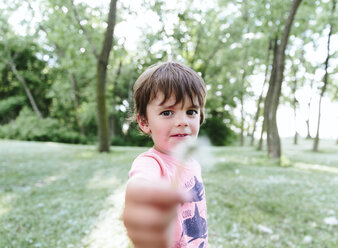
[[180, 135]]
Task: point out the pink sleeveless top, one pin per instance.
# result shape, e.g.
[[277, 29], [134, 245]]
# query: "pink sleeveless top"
[[191, 221]]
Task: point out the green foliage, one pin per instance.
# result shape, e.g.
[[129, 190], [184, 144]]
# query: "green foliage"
[[27, 126], [132, 138], [10, 107], [217, 131], [26, 55], [87, 115], [225, 42]]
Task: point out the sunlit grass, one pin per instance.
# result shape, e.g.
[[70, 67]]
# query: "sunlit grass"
[[57, 195], [318, 167], [253, 203], [107, 229], [54, 195]]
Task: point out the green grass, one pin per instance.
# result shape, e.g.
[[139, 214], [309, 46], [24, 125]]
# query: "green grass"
[[57, 195]]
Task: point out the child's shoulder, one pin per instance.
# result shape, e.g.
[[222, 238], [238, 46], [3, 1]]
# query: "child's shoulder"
[[149, 155], [148, 165], [159, 157]]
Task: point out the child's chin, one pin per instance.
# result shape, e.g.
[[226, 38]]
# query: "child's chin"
[[181, 138], [177, 141]]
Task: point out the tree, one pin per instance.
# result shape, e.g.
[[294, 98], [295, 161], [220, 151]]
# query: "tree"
[[326, 75], [101, 74], [23, 82], [20, 64], [260, 99], [308, 136], [245, 16], [225, 42], [275, 84], [61, 52], [294, 101]]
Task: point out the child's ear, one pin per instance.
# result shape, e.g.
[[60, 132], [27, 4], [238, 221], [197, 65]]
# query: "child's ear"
[[143, 124]]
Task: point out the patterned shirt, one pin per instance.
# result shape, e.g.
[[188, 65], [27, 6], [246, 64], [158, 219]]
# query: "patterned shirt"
[[190, 224]]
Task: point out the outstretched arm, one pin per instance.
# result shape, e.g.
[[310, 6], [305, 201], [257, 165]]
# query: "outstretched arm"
[[150, 209]]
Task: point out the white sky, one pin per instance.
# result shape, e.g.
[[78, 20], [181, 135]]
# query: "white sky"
[[130, 29]]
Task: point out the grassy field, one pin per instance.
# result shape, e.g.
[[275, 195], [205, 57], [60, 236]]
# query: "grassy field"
[[58, 195]]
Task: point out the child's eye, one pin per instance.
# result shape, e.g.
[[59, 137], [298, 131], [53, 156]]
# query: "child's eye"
[[192, 112], [167, 113]]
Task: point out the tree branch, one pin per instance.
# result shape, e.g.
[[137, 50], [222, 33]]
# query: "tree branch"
[[108, 39], [89, 39], [23, 82], [102, 63]]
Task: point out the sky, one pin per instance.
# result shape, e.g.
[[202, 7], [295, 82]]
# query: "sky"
[[130, 29]]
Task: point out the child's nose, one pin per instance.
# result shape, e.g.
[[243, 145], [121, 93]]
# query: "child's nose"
[[182, 120]]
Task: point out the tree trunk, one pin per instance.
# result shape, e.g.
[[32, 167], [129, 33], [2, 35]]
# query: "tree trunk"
[[274, 147], [130, 89], [308, 136], [102, 63], [76, 99], [244, 64], [325, 80], [112, 117], [101, 73], [294, 104], [260, 144], [316, 139], [260, 99], [295, 138], [267, 102], [241, 141]]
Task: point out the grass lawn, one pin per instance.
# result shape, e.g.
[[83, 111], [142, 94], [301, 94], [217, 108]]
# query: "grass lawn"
[[58, 195]]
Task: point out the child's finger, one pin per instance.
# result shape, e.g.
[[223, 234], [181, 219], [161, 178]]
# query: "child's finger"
[[145, 239], [147, 217], [160, 193]]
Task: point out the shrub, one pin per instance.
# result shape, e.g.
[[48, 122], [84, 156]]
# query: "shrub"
[[27, 126], [132, 138], [10, 107], [118, 140], [217, 131]]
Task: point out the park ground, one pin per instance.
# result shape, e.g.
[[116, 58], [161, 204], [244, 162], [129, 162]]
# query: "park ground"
[[60, 195]]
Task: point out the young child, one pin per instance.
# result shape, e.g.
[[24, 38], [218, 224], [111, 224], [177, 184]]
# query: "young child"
[[162, 210]]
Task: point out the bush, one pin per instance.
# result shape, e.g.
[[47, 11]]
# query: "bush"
[[10, 107], [132, 138], [27, 126], [118, 140], [217, 131]]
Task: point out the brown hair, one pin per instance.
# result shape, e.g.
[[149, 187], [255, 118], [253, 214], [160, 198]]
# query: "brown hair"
[[168, 78]]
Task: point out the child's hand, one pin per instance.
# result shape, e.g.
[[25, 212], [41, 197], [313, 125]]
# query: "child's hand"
[[149, 211]]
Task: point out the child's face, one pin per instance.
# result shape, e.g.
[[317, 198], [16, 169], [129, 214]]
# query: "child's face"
[[170, 124]]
